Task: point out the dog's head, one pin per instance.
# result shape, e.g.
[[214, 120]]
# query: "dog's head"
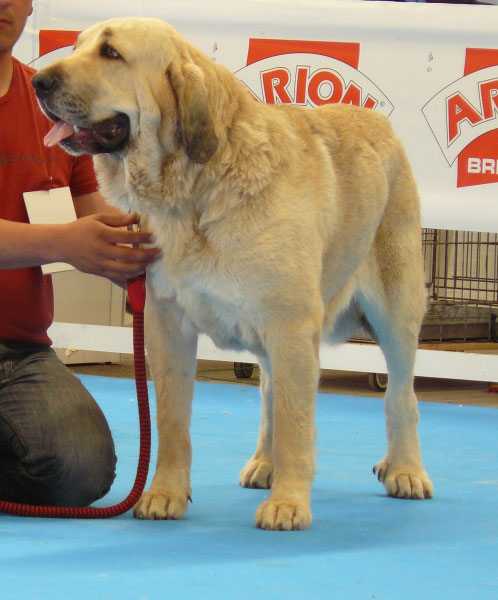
[[127, 77]]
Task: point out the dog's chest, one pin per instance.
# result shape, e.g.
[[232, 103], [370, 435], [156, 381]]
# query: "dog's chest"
[[213, 298]]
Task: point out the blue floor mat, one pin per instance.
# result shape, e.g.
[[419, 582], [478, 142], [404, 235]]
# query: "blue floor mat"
[[361, 544]]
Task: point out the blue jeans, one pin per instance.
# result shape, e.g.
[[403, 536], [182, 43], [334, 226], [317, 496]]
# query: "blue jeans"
[[55, 445]]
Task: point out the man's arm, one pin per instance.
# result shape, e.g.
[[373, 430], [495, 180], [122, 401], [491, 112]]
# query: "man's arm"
[[92, 243], [24, 245]]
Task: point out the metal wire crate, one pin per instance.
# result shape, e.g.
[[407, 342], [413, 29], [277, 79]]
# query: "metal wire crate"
[[462, 280]]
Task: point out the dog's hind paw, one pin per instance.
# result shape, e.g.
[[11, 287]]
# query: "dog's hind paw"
[[161, 504], [404, 482], [283, 516], [257, 474]]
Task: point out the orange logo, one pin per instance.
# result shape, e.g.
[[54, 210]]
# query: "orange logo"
[[468, 132], [309, 74], [53, 40]]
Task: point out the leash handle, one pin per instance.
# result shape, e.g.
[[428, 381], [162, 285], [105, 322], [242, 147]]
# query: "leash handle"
[[136, 293], [136, 286]]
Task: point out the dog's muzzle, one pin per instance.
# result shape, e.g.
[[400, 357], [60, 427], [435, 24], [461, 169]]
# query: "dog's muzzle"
[[78, 135]]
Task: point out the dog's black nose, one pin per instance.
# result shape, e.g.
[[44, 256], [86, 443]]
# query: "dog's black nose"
[[45, 83]]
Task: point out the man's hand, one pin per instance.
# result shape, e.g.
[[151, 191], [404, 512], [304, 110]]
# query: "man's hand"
[[92, 244]]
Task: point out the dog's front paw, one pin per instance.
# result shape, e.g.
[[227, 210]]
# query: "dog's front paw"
[[159, 503], [404, 482], [283, 516], [257, 473]]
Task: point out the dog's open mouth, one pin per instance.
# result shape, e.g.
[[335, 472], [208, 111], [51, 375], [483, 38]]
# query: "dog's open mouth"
[[110, 135]]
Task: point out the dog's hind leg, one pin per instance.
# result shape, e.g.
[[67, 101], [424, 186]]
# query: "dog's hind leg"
[[395, 311], [258, 472]]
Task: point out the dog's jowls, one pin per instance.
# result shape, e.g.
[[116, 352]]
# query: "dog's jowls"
[[281, 227]]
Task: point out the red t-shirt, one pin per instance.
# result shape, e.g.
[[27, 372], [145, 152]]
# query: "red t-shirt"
[[26, 165]]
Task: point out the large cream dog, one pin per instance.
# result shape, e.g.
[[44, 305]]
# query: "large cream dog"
[[281, 228]]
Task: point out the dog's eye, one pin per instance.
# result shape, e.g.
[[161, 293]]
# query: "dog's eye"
[[109, 52]]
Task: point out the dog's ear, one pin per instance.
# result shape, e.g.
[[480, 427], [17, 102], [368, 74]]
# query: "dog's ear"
[[197, 131]]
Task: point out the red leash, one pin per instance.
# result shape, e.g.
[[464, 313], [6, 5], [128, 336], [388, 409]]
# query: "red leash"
[[136, 294]]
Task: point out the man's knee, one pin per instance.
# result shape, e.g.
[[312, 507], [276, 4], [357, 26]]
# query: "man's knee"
[[64, 475], [56, 481], [81, 481], [55, 443]]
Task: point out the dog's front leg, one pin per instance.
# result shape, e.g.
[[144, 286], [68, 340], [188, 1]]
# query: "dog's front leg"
[[294, 370], [171, 354]]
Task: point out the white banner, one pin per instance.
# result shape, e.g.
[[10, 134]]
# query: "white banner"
[[433, 68], [366, 358]]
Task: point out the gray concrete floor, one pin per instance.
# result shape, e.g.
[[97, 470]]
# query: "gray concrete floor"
[[331, 382]]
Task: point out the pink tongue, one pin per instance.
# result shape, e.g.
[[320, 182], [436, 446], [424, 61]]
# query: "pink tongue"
[[60, 131]]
